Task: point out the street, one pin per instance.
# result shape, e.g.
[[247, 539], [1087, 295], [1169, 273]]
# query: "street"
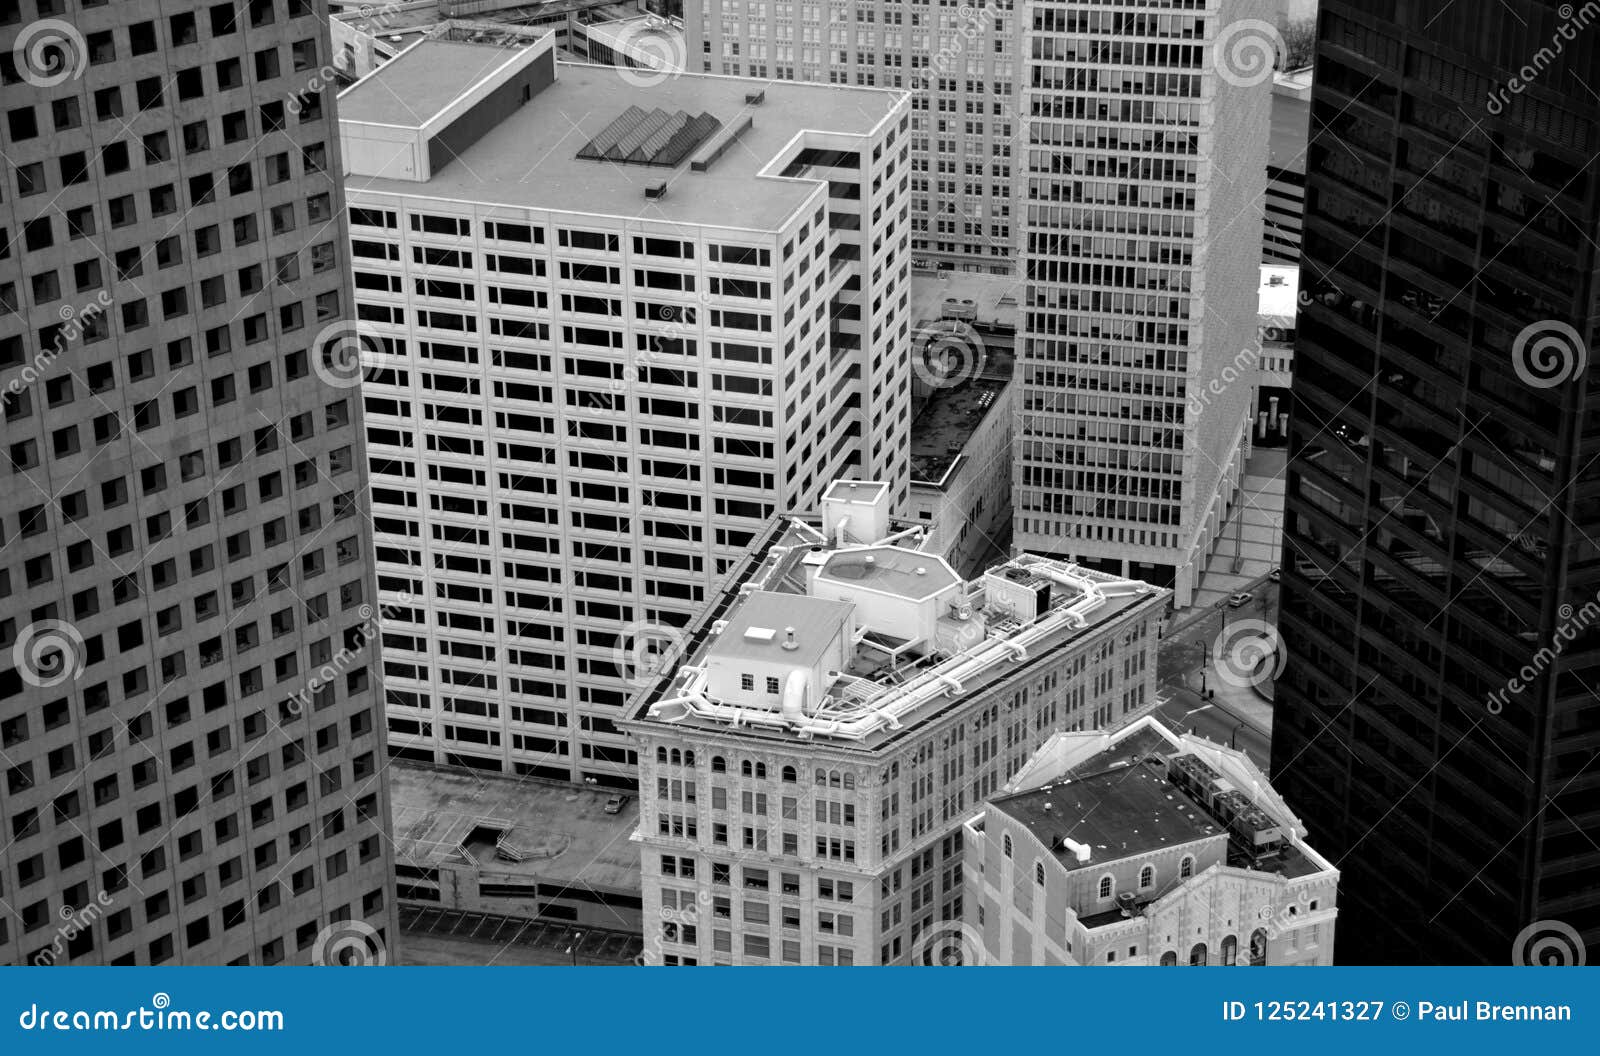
[[1229, 714]]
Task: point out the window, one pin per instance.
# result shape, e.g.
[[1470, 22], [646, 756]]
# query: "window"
[[1038, 873], [1147, 877], [1005, 845], [747, 682], [1105, 887], [1186, 867]]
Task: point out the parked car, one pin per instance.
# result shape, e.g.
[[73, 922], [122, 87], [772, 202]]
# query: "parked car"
[[1275, 575], [615, 804], [1240, 600]]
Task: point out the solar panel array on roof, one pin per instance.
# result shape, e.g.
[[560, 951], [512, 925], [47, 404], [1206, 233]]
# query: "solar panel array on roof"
[[650, 137]]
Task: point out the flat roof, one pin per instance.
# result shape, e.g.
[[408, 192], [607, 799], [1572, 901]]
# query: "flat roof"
[[815, 621], [891, 569], [564, 830], [996, 299], [530, 158], [949, 416], [1280, 292], [1119, 813], [413, 87]]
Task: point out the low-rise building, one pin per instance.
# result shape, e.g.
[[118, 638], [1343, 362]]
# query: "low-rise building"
[[809, 750], [1143, 847]]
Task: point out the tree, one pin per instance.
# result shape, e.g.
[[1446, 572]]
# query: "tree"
[[1299, 44]]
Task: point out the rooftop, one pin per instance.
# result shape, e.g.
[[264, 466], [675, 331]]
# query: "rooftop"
[[420, 82], [530, 158], [996, 299], [563, 832], [756, 629], [950, 416], [907, 642], [1280, 294], [1123, 812], [892, 570]]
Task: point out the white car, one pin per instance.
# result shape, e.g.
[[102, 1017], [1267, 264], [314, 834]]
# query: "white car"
[[1237, 601]]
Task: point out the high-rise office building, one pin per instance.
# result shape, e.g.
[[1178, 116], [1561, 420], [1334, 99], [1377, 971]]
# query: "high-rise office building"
[[1435, 726], [190, 727], [1140, 186], [614, 320], [961, 64], [806, 762]]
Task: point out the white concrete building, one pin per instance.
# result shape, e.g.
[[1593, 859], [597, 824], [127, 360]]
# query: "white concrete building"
[[962, 64], [1143, 847], [608, 329], [807, 759], [1141, 197]]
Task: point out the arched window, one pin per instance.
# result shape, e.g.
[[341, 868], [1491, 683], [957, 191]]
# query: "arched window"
[[661, 754], [1197, 956], [1230, 951], [745, 768], [1005, 845], [850, 781], [677, 757], [834, 781], [688, 757], [1169, 960], [1186, 867], [719, 765], [822, 778], [1038, 873], [1258, 947], [761, 770], [789, 775], [1105, 886], [1147, 877]]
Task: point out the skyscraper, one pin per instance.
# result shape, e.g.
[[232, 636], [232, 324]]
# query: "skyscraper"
[[1436, 724], [189, 721], [597, 369], [1140, 189], [961, 63]]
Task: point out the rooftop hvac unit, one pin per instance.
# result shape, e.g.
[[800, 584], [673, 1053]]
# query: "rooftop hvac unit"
[[656, 191], [756, 98]]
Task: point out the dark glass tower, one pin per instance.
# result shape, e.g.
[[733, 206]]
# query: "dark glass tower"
[[1438, 724]]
